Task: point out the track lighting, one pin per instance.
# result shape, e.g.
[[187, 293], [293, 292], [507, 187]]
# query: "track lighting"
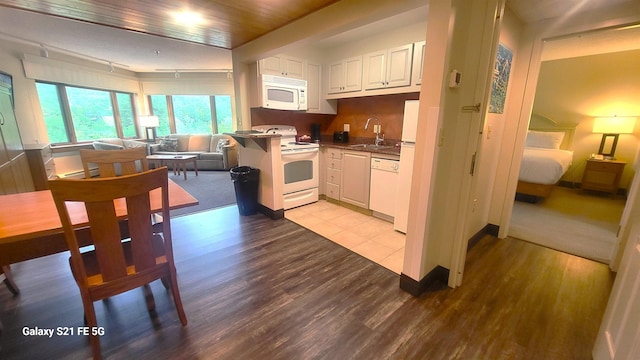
[[43, 51]]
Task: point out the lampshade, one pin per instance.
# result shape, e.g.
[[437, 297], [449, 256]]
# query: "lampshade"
[[614, 125], [149, 121]]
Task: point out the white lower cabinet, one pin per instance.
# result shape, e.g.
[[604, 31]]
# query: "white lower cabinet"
[[356, 174], [333, 172]]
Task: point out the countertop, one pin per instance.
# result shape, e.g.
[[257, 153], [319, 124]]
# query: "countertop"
[[392, 150]]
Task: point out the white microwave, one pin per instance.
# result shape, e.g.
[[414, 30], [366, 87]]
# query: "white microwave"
[[283, 93]]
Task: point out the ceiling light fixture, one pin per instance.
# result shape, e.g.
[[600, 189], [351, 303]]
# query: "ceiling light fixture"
[[188, 18]]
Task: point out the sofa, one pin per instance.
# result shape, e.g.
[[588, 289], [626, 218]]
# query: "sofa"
[[118, 144], [214, 151]]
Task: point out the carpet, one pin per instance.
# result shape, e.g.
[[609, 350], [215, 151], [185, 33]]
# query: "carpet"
[[570, 221], [213, 189]]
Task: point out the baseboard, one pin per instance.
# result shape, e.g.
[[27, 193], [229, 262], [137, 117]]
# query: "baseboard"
[[435, 279], [488, 229], [439, 276], [273, 214]]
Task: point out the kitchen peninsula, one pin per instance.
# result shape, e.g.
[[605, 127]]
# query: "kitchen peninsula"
[[262, 151]]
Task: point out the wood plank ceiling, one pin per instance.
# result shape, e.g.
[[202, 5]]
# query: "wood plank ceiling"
[[224, 24]]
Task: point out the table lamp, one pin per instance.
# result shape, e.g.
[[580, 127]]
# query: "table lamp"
[[611, 128], [150, 122]]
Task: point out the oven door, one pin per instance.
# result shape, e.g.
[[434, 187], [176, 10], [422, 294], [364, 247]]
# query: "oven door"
[[300, 170]]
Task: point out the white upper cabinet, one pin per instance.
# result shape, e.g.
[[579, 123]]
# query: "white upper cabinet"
[[418, 62], [316, 103], [345, 75], [283, 65], [388, 68]]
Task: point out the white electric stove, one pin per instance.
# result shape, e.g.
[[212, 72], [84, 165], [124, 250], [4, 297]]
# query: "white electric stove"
[[300, 163]]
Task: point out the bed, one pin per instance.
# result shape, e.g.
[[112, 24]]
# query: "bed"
[[546, 157]]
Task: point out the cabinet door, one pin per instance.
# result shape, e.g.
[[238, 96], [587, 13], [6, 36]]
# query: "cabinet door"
[[356, 174], [399, 66], [336, 77], [314, 87], [374, 70], [7, 181], [353, 74], [418, 62], [272, 65], [294, 67]]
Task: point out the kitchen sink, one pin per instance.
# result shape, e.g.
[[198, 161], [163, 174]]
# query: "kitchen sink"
[[370, 146]]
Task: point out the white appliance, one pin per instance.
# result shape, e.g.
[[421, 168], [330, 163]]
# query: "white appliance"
[[384, 181], [300, 166], [283, 93], [407, 152]]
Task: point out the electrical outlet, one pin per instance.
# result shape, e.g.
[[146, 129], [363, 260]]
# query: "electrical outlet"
[[346, 127]]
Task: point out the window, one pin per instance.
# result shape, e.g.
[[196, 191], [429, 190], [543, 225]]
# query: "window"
[[159, 108], [91, 114], [127, 117], [192, 114], [75, 114], [52, 112]]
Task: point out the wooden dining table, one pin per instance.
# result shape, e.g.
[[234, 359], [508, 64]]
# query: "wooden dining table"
[[30, 226]]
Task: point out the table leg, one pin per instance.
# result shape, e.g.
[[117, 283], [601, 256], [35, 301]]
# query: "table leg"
[[195, 166], [184, 169], [8, 280]]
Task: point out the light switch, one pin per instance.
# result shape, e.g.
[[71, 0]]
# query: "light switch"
[[346, 127]]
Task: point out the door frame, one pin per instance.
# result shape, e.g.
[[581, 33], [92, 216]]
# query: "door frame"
[[514, 135]]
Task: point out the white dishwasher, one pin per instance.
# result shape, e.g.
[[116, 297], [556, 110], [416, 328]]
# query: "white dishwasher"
[[384, 181]]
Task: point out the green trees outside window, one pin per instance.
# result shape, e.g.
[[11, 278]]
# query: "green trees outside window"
[[76, 114], [192, 114]]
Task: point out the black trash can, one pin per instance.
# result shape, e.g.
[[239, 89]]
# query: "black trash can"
[[246, 181]]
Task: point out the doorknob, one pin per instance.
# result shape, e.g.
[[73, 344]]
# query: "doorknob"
[[469, 108]]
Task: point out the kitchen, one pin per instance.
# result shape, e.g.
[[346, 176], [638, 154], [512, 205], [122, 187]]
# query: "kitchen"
[[363, 114]]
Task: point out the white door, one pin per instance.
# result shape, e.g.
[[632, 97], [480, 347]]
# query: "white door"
[[619, 335]]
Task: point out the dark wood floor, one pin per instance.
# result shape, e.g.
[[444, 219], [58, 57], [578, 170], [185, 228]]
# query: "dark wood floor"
[[254, 288]]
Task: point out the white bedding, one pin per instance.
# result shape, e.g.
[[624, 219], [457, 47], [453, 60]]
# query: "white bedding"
[[544, 166]]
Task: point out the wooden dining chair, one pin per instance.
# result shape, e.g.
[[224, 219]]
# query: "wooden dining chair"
[[114, 162], [116, 266]]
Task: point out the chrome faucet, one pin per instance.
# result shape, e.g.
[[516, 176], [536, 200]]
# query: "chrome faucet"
[[379, 139]]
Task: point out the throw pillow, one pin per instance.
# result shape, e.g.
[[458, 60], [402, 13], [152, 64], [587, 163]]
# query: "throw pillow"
[[169, 144], [221, 144]]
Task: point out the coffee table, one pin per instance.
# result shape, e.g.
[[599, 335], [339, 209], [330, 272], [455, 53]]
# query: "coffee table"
[[176, 162]]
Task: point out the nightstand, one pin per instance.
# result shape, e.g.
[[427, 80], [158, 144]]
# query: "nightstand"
[[602, 175]]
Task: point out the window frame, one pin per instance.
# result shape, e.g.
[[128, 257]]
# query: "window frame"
[[67, 117], [171, 113]]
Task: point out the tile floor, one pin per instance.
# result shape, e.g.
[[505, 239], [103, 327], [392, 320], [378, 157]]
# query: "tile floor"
[[368, 236]]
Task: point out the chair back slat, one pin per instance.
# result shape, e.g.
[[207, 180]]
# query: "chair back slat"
[[112, 163], [106, 241], [140, 230]]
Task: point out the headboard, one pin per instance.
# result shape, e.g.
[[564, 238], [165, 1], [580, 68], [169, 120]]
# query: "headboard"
[[539, 122]]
